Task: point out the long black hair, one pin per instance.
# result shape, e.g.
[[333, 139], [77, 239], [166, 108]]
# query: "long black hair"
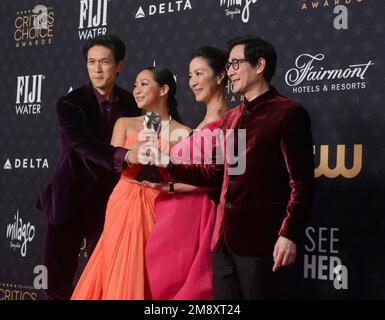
[[163, 76], [216, 59]]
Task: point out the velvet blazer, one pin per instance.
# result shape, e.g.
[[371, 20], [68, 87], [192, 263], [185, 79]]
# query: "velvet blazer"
[[273, 196], [87, 168]]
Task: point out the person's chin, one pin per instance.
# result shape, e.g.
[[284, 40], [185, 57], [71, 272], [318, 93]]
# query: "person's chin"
[[99, 84], [234, 89], [141, 105], [199, 98]]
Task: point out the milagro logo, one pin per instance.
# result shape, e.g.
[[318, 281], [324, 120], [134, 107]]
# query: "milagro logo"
[[19, 234], [26, 163], [92, 18], [34, 27], [308, 77], [319, 4], [163, 8], [28, 94], [236, 7]]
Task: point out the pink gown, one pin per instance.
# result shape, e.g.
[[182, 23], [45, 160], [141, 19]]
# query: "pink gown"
[[178, 256]]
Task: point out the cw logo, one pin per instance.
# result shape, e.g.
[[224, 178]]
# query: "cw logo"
[[340, 168]]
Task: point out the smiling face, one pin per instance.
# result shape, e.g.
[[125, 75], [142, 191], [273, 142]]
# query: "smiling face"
[[102, 68], [147, 91], [244, 80], [202, 80]]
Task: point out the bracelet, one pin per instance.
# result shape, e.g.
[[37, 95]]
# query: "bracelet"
[[126, 158], [171, 187]]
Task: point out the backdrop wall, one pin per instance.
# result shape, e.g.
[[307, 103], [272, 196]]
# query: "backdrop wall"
[[337, 74]]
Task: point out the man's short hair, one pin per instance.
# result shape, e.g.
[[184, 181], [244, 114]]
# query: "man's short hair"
[[256, 48], [115, 44]]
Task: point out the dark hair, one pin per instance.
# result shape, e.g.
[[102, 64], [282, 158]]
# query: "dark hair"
[[256, 48], [216, 59], [164, 76], [115, 44]]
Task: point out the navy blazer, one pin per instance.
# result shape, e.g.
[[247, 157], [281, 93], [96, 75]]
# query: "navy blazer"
[[86, 171]]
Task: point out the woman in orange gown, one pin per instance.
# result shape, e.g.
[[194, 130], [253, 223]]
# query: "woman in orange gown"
[[117, 269]]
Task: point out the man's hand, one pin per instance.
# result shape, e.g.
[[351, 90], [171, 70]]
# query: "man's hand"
[[284, 253], [132, 156], [162, 187], [145, 151]]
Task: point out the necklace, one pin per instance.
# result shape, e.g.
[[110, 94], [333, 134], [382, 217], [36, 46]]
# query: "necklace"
[[165, 123]]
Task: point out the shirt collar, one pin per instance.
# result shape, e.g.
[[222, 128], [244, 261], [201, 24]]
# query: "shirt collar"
[[262, 98], [102, 99]]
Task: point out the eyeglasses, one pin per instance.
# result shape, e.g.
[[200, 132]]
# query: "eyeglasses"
[[234, 63]]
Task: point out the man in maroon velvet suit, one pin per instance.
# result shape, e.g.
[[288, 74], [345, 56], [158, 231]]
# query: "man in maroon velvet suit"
[[75, 198], [262, 211]]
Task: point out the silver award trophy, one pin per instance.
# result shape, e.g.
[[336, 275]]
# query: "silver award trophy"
[[152, 121]]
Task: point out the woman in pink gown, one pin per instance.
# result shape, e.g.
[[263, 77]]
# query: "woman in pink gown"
[[178, 256]]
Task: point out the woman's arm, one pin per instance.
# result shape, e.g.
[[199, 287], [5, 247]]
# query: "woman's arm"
[[119, 133], [184, 187], [178, 187]]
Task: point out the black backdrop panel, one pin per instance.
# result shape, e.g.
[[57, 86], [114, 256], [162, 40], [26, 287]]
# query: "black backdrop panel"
[[337, 74]]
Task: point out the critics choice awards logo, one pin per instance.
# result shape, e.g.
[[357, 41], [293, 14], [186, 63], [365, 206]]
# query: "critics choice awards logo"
[[13, 291], [319, 4], [92, 18], [34, 27]]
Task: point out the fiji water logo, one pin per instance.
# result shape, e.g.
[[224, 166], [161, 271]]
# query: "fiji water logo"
[[28, 94], [20, 234], [238, 7], [163, 8], [92, 18]]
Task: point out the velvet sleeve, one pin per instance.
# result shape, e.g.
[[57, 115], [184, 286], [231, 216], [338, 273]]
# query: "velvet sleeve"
[[297, 149], [73, 127]]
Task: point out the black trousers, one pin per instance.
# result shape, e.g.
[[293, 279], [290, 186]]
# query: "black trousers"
[[62, 247], [237, 278], [61, 256]]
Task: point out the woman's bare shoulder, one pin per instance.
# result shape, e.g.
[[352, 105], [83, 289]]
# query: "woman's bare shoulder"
[[179, 131], [129, 122], [178, 125]]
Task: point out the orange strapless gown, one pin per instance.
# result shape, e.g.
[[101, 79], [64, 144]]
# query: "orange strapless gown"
[[116, 269]]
